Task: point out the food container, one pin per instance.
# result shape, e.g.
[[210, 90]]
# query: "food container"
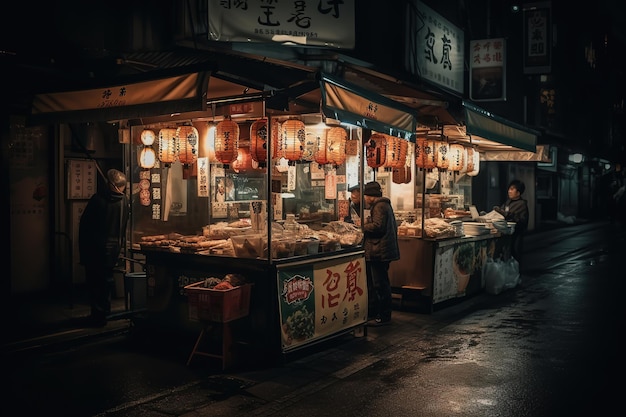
[[247, 246], [281, 248]]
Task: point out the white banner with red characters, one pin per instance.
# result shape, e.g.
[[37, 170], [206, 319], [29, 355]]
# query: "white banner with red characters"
[[321, 299]]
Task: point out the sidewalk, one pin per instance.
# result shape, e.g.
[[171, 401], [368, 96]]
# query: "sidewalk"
[[33, 321]]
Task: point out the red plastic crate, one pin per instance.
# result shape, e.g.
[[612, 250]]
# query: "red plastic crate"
[[219, 306]]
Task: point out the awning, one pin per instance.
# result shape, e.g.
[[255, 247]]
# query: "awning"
[[481, 124], [541, 155], [351, 104], [175, 94]]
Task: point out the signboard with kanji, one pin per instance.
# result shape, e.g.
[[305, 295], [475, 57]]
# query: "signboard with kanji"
[[488, 69], [321, 299]]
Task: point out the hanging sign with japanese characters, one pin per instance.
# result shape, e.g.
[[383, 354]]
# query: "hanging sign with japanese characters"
[[488, 69], [437, 51], [322, 299], [304, 23], [537, 38]]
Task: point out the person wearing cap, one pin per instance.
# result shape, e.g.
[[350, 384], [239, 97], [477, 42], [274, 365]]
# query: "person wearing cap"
[[380, 243], [354, 214], [515, 209], [101, 236]]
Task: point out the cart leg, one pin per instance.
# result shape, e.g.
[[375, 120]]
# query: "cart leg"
[[195, 347], [227, 345]]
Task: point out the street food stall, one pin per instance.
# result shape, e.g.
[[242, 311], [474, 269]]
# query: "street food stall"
[[244, 195], [445, 243]]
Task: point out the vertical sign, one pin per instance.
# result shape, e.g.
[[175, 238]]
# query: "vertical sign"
[[81, 179], [537, 39], [203, 177], [438, 50], [488, 69]]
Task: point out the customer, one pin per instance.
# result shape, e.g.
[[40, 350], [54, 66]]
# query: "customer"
[[354, 214], [381, 247], [102, 233], [515, 209]]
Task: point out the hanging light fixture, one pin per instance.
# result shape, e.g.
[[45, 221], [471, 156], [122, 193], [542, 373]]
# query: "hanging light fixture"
[[168, 146], [469, 160], [457, 156], [336, 139], [187, 144], [475, 164], [321, 150], [293, 134], [426, 154], [376, 152], [226, 141], [147, 157], [209, 143], [148, 137], [443, 157], [396, 152], [258, 140], [244, 161]]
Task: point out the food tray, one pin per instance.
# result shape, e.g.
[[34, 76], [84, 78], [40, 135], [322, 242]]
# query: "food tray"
[[219, 306]]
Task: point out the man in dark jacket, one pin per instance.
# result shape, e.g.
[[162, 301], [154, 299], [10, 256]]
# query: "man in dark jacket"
[[515, 209], [102, 233], [381, 247]]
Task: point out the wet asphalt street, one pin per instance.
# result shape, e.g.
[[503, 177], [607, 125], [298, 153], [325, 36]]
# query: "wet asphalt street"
[[546, 348]]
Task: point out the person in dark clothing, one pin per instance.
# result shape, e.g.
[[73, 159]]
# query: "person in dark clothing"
[[515, 209], [102, 232], [354, 214], [380, 243]]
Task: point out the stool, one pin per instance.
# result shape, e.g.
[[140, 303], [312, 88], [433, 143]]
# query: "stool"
[[224, 353], [410, 292]]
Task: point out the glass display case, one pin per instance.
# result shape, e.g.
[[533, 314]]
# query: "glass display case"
[[228, 193]]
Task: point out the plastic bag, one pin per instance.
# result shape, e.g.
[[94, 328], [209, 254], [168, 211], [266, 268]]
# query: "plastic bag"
[[499, 275], [511, 273], [493, 276]]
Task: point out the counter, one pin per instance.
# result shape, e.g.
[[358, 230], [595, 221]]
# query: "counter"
[[434, 271], [294, 302]]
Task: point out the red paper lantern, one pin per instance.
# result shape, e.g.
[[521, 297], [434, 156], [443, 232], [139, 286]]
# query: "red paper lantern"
[[425, 154], [293, 134], [258, 139], [321, 150], [469, 161], [336, 139], [475, 164], [226, 141], [168, 146], [457, 157], [244, 161], [443, 155], [376, 150], [396, 152], [187, 144]]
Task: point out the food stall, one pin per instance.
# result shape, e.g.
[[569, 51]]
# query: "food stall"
[[245, 195], [444, 239]]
